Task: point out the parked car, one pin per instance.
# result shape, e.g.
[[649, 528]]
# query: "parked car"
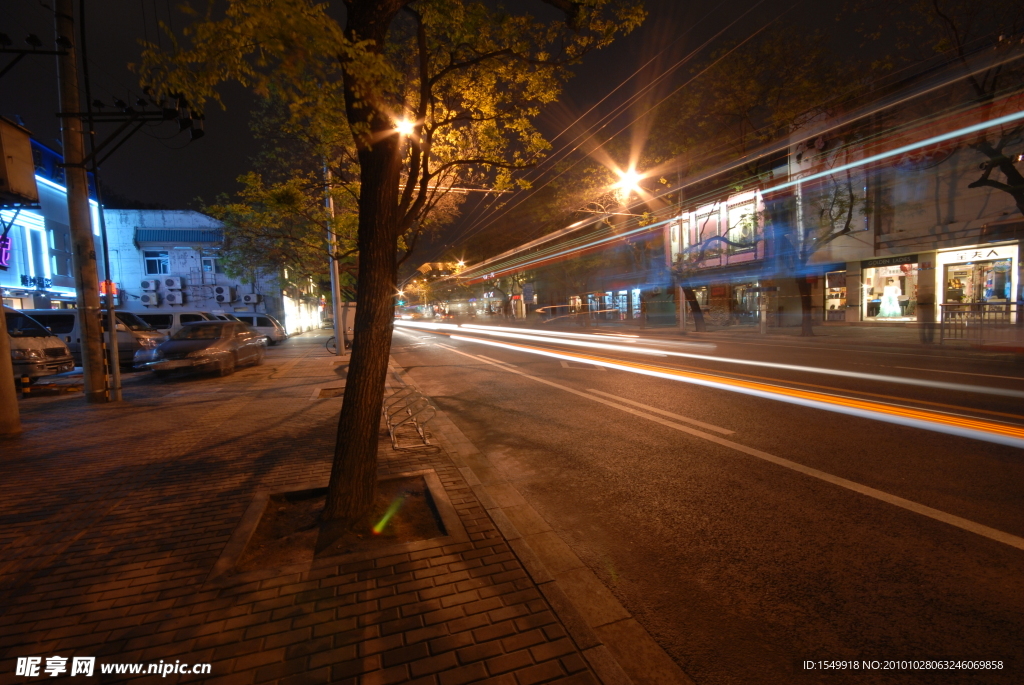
[[136, 339], [168, 322], [209, 346], [35, 352], [224, 316], [269, 327]]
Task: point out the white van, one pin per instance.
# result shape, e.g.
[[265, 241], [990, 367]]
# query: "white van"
[[266, 325], [168, 322], [35, 352], [134, 336]]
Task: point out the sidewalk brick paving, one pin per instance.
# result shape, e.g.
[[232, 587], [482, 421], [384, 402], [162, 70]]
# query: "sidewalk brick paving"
[[112, 517]]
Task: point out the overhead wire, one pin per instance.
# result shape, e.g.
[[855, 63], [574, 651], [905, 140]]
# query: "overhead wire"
[[660, 102], [578, 119], [472, 230]]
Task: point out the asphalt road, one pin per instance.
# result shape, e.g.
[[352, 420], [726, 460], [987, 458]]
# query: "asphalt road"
[[748, 534]]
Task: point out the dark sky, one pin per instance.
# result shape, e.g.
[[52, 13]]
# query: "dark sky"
[[157, 166]]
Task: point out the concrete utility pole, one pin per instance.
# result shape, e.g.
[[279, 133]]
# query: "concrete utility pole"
[[10, 418], [112, 348], [340, 339], [77, 181]]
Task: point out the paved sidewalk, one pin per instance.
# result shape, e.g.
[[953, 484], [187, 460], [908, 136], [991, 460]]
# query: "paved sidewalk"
[[113, 516]]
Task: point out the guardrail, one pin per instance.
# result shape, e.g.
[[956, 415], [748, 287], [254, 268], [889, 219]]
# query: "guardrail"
[[407, 412], [982, 322]]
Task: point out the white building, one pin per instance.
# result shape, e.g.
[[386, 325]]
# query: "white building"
[[162, 259]]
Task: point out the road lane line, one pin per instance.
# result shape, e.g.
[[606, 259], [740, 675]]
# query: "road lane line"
[[496, 361], [677, 417], [963, 426], [930, 512]]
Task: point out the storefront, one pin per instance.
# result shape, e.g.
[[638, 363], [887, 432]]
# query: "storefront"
[[835, 296], [982, 275], [890, 289]]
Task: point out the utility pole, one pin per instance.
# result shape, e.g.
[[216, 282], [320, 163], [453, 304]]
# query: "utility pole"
[[340, 339], [77, 181], [10, 419], [113, 351]]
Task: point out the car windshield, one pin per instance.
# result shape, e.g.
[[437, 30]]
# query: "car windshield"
[[133, 322], [21, 326], [201, 331]]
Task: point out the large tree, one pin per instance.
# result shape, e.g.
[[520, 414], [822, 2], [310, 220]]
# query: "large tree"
[[435, 93], [984, 41]]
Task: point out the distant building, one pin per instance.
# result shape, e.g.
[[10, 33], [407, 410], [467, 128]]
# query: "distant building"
[[159, 259]]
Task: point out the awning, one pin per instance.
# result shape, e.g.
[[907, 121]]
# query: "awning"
[[178, 236]]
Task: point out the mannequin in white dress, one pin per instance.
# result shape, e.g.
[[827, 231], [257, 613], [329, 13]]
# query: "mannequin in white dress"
[[890, 305]]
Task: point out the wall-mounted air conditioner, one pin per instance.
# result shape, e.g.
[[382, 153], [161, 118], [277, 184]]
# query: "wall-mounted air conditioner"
[[150, 299], [175, 297], [151, 284], [252, 298], [172, 282], [223, 293]]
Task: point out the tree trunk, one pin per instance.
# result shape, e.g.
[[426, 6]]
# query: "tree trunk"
[[803, 284], [353, 481], [698, 315]]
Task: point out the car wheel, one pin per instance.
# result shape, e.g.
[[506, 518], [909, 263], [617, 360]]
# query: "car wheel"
[[227, 367], [271, 341]]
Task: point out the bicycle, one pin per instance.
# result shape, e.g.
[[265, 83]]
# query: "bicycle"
[[332, 345]]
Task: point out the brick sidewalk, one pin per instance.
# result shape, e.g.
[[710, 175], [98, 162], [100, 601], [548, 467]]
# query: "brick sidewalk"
[[112, 518]]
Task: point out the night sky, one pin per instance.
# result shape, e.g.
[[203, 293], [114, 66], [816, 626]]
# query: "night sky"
[[157, 166]]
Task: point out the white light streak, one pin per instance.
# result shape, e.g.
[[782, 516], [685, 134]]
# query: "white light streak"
[[841, 409]]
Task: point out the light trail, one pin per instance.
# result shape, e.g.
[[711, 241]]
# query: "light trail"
[[535, 335], [950, 424]]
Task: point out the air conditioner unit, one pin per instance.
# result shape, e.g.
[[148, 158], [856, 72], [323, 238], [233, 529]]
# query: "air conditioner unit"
[[176, 297], [150, 299], [223, 299], [252, 298], [151, 284], [172, 282], [224, 293]]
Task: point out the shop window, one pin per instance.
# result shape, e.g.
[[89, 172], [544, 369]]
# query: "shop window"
[[890, 293], [977, 282], [157, 262], [835, 296], [742, 231]]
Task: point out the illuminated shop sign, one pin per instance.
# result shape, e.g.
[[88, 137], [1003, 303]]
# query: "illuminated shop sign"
[[5, 252], [889, 261]]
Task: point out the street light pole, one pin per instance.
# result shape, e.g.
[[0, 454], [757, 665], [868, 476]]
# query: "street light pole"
[[340, 338], [77, 182]]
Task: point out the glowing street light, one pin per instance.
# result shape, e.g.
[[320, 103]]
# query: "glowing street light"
[[629, 182], [405, 127]]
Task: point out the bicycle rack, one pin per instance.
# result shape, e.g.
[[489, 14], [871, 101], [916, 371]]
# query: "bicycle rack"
[[405, 408]]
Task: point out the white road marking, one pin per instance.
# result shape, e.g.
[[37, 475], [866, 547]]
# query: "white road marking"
[[936, 514], [677, 417], [961, 373], [580, 365], [496, 361]]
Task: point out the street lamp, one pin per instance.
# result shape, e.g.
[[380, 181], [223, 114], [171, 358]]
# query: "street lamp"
[[405, 127], [629, 183]]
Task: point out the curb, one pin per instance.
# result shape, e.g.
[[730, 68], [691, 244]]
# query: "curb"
[[619, 650]]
